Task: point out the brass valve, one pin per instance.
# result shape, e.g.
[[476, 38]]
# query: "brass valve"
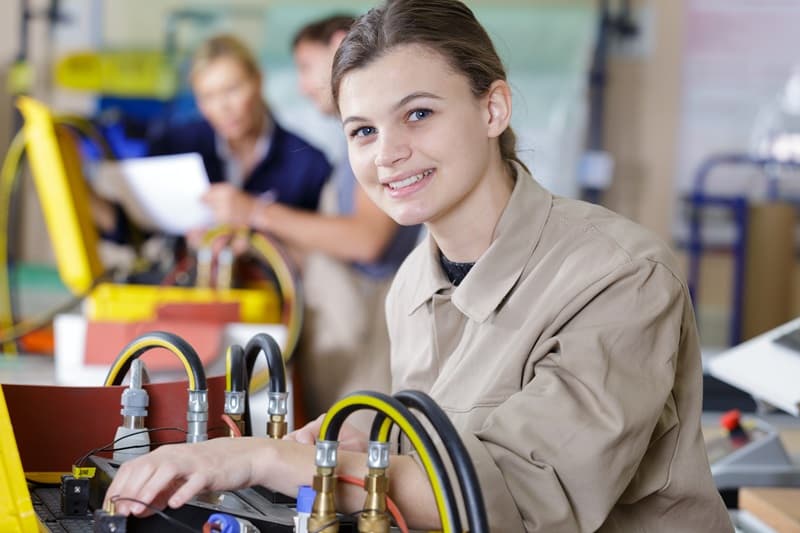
[[323, 513], [374, 518]]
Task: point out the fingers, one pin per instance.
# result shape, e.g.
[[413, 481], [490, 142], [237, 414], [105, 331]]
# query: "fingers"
[[194, 484], [147, 480], [308, 433]]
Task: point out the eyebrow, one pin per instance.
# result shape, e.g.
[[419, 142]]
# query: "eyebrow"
[[403, 101]]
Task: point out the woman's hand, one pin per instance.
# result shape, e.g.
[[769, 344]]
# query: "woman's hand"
[[172, 475], [350, 437]]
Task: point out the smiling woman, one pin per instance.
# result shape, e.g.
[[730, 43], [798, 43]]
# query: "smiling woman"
[[557, 336]]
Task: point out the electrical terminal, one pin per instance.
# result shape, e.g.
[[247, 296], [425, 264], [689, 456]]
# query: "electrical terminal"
[[74, 495], [107, 521]]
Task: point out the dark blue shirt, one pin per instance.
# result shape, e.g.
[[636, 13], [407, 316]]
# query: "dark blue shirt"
[[293, 170]]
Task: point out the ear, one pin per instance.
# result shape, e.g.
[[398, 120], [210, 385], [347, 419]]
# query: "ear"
[[498, 107], [337, 38]]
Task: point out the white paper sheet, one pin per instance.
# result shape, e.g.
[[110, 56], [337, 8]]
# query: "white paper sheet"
[[159, 193]]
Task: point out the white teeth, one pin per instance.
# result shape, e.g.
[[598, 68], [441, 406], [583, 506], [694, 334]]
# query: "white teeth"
[[408, 181]]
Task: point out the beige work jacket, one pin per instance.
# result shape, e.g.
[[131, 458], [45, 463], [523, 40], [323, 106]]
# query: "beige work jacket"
[[568, 360]]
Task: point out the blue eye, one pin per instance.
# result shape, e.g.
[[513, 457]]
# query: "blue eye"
[[419, 114], [362, 132]]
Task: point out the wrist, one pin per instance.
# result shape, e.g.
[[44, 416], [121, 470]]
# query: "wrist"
[[257, 217]]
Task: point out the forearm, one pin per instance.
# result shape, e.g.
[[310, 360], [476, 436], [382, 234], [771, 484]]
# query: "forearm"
[[342, 237]]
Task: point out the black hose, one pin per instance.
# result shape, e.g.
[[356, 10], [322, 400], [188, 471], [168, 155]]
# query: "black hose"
[[459, 457], [335, 425], [236, 368], [148, 341], [263, 342]]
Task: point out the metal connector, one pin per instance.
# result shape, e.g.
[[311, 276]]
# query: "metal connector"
[[225, 269], [277, 409], [277, 403], [205, 257], [378, 454], [131, 436], [197, 416], [234, 402], [374, 518], [325, 456]]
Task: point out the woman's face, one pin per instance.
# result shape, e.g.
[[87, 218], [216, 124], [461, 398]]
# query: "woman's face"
[[314, 60], [418, 138], [229, 97]]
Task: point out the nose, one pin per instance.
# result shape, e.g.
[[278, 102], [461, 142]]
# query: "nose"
[[392, 148]]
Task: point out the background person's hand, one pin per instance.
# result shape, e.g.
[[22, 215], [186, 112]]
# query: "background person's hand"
[[230, 205]]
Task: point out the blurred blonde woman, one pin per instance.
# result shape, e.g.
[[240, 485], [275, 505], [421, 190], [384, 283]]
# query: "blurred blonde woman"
[[250, 159]]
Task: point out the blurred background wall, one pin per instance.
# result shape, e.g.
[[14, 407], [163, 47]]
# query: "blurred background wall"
[[689, 82]]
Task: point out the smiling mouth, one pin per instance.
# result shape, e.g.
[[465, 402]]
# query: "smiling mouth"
[[411, 180]]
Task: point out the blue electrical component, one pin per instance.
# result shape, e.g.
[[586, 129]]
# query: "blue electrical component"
[[226, 523], [305, 499]]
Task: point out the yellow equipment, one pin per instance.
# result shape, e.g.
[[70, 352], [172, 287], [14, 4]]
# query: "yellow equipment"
[[140, 73], [64, 196]]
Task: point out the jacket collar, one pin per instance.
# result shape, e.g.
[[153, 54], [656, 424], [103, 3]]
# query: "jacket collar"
[[499, 268]]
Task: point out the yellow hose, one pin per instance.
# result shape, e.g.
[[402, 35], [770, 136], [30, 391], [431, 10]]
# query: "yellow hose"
[[288, 284], [8, 175], [397, 418]]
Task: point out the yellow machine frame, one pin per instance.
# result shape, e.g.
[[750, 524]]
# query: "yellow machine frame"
[[64, 196], [16, 509]]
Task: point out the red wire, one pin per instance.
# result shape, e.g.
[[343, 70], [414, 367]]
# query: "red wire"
[[393, 509], [232, 425]]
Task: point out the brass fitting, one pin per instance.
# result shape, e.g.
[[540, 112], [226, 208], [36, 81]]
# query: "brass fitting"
[[277, 409], [276, 427], [225, 269], [323, 513], [204, 259], [239, 421], [374, 518]]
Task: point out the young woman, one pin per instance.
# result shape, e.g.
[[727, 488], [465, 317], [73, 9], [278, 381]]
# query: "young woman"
[[558, 336], [354, 250]]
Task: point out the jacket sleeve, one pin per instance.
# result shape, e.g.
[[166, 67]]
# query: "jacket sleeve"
[[566, 446]]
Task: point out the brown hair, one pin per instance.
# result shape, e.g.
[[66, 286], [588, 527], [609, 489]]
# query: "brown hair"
[[323, 30], [446, 26], [221, 46]]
